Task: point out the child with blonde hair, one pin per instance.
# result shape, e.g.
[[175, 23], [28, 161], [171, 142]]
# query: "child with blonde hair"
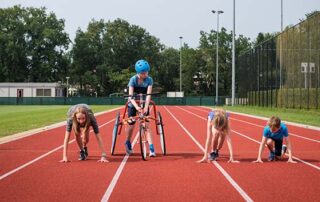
[[218, 129], [80, 118]]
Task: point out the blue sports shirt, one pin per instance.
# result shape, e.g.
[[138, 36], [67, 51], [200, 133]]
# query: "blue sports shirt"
[[140, 87], [211, 115], [282, 132]]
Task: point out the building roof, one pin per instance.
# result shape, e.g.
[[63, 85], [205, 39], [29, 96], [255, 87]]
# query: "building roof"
[[25, 85]]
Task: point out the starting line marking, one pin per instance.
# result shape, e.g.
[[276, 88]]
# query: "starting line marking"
[[41, 157], [225, 174], [302, 161]]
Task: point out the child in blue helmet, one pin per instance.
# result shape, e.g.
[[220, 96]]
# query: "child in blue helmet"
[[273, 135], [139, 83]]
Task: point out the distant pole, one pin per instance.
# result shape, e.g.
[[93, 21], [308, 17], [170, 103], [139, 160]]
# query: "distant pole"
[[233, 54], [280, 83], [180, 63], [67, 85], [217, 56]]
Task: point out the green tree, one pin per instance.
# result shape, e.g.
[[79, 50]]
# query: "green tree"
[[88, 57], [110, 49], [168, 70], [33, 44]]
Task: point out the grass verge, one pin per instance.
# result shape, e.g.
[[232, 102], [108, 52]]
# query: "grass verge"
[[307, 117], [15, 119]]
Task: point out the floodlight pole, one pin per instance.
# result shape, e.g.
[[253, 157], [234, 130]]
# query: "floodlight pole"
[[217, 55], [280, 69], [180, 63], [67, 85], [233, 55]]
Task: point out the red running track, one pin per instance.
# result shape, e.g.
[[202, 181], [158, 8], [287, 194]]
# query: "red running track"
[[175, 177]]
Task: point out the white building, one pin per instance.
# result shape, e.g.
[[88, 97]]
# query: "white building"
[[31, 90]]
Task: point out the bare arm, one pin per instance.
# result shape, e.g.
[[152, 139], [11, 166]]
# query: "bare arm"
[[208, 141], [131, 89], [103, 152], [289, 146], [229, 142], [263, 142], [148, 98], [65, 147]]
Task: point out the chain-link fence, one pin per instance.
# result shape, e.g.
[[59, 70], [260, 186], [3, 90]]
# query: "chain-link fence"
[[283, 71]]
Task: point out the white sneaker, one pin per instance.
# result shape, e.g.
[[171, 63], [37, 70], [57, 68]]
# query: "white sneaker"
[[152, 154]]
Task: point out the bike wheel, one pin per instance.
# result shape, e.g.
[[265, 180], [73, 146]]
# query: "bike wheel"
[[161, 133], [143, 143], [115, 132]]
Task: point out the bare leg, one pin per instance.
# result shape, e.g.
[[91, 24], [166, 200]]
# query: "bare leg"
[[129, 130], [79, 141], [270, 144], [149, 134], [215, 141], [221, 139], [85, 138]]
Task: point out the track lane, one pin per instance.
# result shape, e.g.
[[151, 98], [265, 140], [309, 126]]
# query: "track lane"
[[50, 180], [276, 181], [175, 177], [21, 151], [313, 134], [304, 150]]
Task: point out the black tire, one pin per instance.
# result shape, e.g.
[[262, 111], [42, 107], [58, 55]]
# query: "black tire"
[[115, 132], [143, 143], [161, 133]]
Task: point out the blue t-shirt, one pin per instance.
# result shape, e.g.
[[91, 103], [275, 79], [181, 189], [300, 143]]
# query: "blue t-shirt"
[[282, 132], [140, 87], [211, 115]]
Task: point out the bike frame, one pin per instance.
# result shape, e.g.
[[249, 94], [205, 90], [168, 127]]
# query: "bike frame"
[[139, 103]]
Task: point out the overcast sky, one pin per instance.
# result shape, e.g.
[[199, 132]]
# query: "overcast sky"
[[169, 19]]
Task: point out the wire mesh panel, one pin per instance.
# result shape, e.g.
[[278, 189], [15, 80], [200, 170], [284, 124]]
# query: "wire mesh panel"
[[283, 71]]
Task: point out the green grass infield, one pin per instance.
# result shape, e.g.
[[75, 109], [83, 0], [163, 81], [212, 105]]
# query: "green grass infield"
[[306, 117], [15, 119]]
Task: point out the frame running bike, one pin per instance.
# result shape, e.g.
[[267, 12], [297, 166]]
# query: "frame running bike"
[[142, 126]]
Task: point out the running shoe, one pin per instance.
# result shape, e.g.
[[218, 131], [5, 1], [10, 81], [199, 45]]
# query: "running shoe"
[[213, 156], [82, 155], [271, 156], [152, 154], [284, 149], [128, 147], [86, 151]]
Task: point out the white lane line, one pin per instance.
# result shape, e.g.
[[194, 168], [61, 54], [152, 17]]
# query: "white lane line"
[[293, 134], [225, 174], [116, 177], [28, 133], [256, 141], [31, 162], [302, 137], [41, 157]]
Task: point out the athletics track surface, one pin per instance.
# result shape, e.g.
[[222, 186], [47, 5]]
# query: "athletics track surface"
[[30, 168]]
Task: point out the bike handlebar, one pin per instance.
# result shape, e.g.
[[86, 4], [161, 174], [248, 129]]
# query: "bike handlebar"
[[138, 95]]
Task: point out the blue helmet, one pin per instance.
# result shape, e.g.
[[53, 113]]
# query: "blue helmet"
[[142, 66]]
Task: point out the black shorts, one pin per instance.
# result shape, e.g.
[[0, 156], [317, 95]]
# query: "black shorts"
[[133, 112], [277, 147]]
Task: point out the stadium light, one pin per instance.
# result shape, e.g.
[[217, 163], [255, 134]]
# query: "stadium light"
[[280, 71], [180, 63], [67, 85], [233, 55], [217, 55]]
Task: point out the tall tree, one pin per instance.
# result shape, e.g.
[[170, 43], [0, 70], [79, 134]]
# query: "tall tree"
[[109, 49], [33, 44]]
